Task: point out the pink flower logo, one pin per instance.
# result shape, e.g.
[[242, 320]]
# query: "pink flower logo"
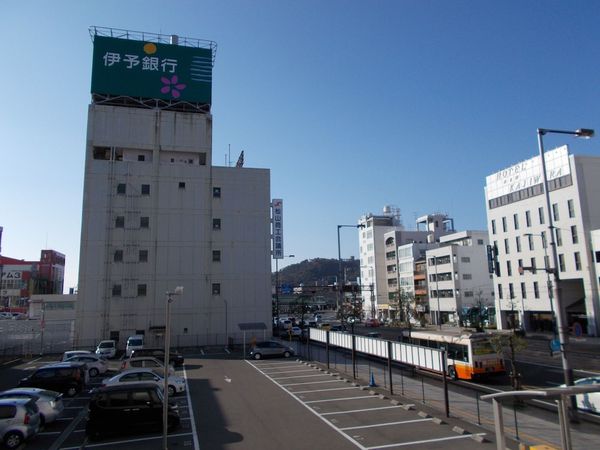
[[172, 86]]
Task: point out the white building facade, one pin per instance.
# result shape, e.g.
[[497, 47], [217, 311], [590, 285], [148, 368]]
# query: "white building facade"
[[518, 228], [156, 215], [458, 276]]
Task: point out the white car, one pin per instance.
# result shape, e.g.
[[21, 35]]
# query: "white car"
[[107, 349], [146, 362], [70, 353], [175, 383], [96, 365], [588, 402]]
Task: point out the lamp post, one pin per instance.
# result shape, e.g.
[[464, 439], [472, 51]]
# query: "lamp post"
[[561, 323], [277, 286], [340, 286], [178, 291]]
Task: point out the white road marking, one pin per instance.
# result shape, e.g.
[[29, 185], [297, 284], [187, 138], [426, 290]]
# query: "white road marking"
[[108, 444], [191, 411], [360, 410], [402, 444], [312, 382], [345, 398], [293, 371], [386, 424], [326, 390], [300, 376]]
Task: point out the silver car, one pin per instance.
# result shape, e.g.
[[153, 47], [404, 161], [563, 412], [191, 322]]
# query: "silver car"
[[96, 364], [19, 420], [49, 403], [270, 349], [175, 383]]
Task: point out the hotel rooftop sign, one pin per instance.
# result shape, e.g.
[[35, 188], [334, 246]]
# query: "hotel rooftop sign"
[[528, 173], [139, 65]]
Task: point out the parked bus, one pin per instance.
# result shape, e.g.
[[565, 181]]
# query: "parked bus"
[[469, 355]]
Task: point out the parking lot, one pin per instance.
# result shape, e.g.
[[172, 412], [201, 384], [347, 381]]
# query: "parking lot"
[[68, 431], [363, 417]]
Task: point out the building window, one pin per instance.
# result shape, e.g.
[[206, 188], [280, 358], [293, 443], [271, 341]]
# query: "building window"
[[493, 226], [544, 242], [120, 222], [508, 268], [465, 259], [145, 189], [520, 266], [141, 158], [523, 291], [511, 290], [116, 290], [143, 256], [118, 256], [530, 238], [541, 215], [558, 237], [216, 289], [561, 262], [467, 276], [577, 261], [518, 242], [574, 236], [546, 262], [528, 218], [182, 185], [468, 294], [217, 193], [506, 247], [216, 224], [571, 208], [555, 214], [144, 222], [216, 255], [479, 241], [533, 266], [536, 290], [141, 290], [598, 257], [516, 221], [121, 188], [504, 224], [499, 291]]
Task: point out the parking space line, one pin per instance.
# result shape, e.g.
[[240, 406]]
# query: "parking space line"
[[345, 398], [293, 371], [151, 438], [299, 376], [326, 390], [427, 441], [387, 424], [276, 365], [360, 410], [191, 411], [328, 423], [311, 382]]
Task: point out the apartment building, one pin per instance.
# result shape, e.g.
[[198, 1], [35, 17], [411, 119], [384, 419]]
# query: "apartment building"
[[518, 228]]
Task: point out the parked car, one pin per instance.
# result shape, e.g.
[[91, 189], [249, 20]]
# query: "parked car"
[[19, 316], [270, 349], [19, 420], [373, 334], [66, 377], [134, 343], [70, 353], [128, 408], [145, 362], [175, 383], [107, 349], [5, 315], [372, 323], [337, 328], [591, 401], [96, 365], [290, 333], [48, 402], [176, 359]]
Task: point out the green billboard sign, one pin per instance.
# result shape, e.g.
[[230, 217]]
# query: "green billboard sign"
[[151, 70]]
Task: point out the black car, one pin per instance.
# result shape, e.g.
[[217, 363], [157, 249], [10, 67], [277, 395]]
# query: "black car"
[[128, 409], [175, 358], [66, 377]]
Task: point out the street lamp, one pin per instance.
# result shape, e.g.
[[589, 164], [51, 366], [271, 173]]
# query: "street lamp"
[[563, 337], [277, 286], [340, 286], [178, 291]]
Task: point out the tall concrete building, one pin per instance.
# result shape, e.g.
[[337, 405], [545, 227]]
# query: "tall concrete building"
[[157, 214], [518, 227]]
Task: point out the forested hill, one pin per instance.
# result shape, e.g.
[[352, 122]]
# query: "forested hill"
[[318, 271]]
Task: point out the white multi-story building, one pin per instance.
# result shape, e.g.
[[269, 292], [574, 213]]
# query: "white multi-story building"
[[458, 275], [518, 228], [157, 214], [379, 238]]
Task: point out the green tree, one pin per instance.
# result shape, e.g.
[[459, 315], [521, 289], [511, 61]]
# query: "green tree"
[[507, 346]]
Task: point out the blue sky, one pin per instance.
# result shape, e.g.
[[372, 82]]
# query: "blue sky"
[[353, 105]]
